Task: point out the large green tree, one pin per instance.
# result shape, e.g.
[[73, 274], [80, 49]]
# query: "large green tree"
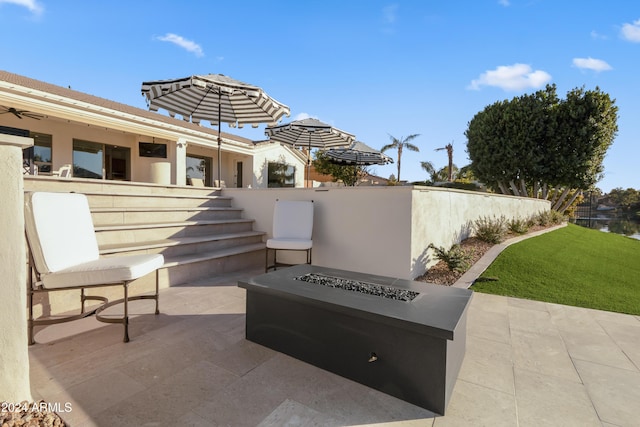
[[401, 144], [538, 145]]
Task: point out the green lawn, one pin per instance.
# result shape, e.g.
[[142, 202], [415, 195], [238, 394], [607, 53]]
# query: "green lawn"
[[572, 266]]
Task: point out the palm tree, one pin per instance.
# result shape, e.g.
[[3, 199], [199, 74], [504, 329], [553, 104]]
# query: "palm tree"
[[449, 148], [446, 174], [401, 144], [430, 169]]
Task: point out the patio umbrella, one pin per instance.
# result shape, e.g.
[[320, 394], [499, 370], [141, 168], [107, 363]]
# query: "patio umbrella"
[[309, 133], [215, 98], [358, 154]]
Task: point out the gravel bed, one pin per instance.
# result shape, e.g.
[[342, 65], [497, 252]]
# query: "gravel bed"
[[29, 414], [357, 286]]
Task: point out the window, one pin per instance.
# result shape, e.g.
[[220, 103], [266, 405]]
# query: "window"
[[199, 167], [40, 153], [87, 159], [281, 175]]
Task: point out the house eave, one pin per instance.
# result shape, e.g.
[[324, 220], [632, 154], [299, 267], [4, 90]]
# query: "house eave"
[[74, 110]]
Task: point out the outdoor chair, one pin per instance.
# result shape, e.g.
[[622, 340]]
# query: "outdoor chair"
[[292, 229], [64, 255], [65, 171], [29, 168], [196, 182]]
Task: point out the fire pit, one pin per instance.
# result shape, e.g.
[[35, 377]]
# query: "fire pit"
[[401, 337]]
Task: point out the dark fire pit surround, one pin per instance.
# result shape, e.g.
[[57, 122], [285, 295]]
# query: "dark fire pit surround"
[[402, 337]]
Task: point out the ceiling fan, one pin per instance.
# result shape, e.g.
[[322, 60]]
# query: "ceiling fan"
[[19, 113]]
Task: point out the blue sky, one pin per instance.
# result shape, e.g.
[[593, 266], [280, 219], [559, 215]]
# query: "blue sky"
[[372, 68]]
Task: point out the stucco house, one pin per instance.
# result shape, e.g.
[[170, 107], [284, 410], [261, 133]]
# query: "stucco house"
[[107, 140]]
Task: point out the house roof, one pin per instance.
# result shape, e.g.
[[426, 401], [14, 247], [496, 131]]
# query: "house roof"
[[42, 91]]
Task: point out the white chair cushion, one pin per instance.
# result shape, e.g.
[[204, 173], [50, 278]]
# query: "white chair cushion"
[[293, 219], [60, 230], [289, 244], [104, 271]]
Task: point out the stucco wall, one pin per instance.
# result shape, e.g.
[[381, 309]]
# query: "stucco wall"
[[274, 153], [445, 216], [14, 358], [384, 230]]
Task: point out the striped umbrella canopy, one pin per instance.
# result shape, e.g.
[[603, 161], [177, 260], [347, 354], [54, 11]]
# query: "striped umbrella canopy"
[[215, 98], [309, 133], [358, 153]]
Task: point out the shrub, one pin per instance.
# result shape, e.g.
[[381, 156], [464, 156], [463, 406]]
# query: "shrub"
[[490, 230], [518, 226], [550, 217], [456, 258], [557, 217], [543, 218]]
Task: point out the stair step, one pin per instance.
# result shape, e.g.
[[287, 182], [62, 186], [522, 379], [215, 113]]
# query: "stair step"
[[184, 195], [97, 200], [165, 243], [162, 209], [114, 216], [207, 256], [116, 227]]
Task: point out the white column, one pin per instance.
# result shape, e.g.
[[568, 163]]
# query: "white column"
[[14, 356], [181, 162]]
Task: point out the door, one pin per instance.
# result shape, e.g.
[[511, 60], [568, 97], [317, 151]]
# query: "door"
[[117, 160], [239, 175]]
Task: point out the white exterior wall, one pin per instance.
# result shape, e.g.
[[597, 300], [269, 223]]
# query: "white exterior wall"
[[169, 171], [446, 216], [14, 357], [273, 153], [384, 230]]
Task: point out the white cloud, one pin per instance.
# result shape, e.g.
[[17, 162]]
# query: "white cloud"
[[504, 3], [302, 116], [591, 64], [631, 32], [32, 5], [188, 45], [597, 36], [511, 77]]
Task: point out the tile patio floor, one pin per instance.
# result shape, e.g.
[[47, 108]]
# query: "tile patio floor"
[[527, 364]]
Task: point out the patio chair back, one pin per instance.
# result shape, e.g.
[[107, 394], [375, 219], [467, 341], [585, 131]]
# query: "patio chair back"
[[293, 220], [60, 230]]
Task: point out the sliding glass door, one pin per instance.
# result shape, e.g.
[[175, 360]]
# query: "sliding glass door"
[[100, 161]]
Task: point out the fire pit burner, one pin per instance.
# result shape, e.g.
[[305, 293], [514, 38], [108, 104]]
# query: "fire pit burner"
[[357, 286]]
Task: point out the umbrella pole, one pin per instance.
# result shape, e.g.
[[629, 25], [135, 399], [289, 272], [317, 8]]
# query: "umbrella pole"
[[309, 161], [219, 136]]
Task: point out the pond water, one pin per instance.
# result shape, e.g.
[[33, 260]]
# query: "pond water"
[[625, 227]]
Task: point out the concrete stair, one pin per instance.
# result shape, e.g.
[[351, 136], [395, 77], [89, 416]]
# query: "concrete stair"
[[198, 230]]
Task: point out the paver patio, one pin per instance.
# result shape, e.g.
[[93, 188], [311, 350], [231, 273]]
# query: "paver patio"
[[527, 363]]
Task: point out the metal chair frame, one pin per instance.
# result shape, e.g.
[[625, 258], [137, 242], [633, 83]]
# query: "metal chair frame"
[[35, 286]]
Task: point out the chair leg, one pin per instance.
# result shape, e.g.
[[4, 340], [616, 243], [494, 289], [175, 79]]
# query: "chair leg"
[[32, 340], [268, 267], [157, 291], [82, 300], [266, 260], [125, 319]]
